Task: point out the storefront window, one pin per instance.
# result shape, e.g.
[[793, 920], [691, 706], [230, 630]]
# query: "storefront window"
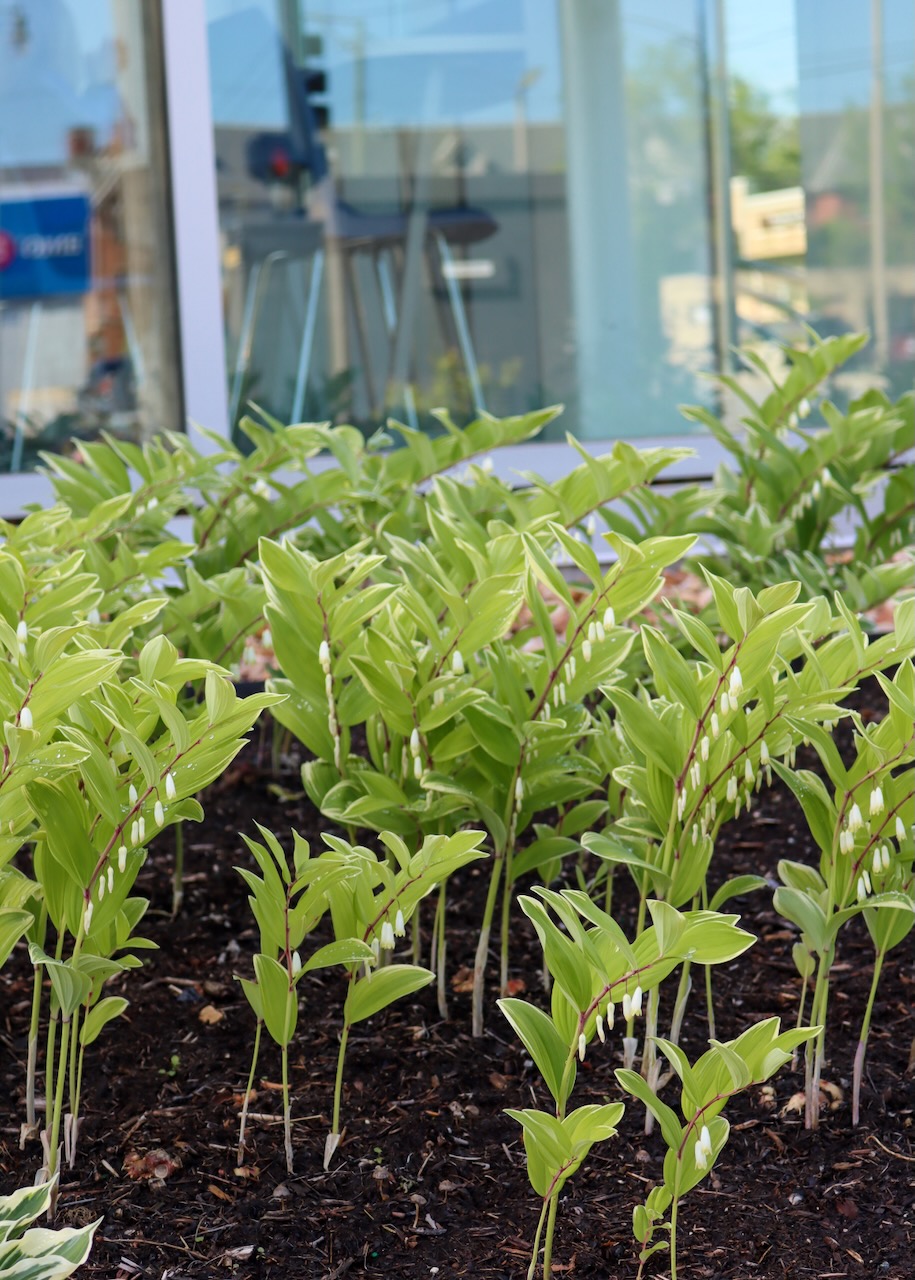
[[499, 204], [822, 184], [463, 204], [88, 336]]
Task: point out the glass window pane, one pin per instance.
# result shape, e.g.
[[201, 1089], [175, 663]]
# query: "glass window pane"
[[88, 338], [822, 186], [475, 203]]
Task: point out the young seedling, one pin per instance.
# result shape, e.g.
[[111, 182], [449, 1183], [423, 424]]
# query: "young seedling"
[[865, 859], [287, 903], [708, 734], [97, 757], [375, 906], [708, 1085], [594, 968]]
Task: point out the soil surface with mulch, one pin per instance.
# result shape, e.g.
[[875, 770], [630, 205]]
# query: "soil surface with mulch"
[[430, 1178]]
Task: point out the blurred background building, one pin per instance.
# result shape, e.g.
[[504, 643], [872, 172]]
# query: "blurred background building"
[[349, 209]]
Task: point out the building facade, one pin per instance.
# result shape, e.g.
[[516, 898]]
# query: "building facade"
[[350, 209]]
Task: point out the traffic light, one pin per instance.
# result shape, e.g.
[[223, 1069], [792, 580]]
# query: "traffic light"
[[270, 157], [283, 156]]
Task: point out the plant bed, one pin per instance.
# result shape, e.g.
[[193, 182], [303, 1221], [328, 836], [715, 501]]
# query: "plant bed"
[[497, 733], [430, 1173]]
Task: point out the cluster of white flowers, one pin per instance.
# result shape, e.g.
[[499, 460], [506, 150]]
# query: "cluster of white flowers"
[[389, 932], [415, 750], [602, 1019], [880, 861], [603, 1022], [731, 700], [22, 635], [597, 630], [106, 881], [882, 856], [632, 1005]]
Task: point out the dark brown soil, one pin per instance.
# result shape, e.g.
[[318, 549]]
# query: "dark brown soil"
[[430, 1178]]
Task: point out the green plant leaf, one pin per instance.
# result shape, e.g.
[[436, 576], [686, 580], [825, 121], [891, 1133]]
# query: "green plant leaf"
[[666, 1117], [369, 995], [278, 999], [99, 1016], [540, 1038]]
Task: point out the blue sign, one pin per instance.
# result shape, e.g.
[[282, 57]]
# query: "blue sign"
[[44, 246]]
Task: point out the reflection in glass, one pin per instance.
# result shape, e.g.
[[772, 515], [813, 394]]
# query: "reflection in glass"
[[456, 204], [87, 334], [822, 188], [505, 203]]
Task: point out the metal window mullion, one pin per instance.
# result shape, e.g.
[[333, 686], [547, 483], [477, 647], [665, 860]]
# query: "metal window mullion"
[[195, 212]]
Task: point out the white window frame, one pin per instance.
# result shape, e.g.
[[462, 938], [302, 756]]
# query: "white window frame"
[[195, 213]]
